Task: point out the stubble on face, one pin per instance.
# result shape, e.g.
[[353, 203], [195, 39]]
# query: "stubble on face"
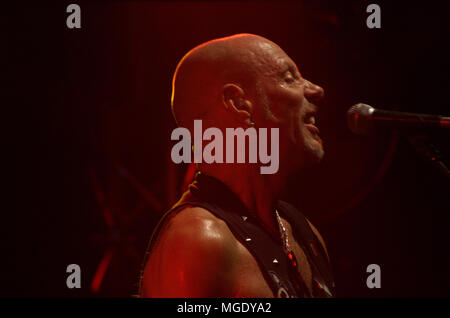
[[284, 105]]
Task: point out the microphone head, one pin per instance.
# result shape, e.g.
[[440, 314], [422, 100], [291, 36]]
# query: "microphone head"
[[359, 118]]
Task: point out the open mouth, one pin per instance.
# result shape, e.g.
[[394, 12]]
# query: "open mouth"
[[310, 123]]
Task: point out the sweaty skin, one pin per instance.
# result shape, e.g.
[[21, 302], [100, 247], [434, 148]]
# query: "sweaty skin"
[[239, 81]]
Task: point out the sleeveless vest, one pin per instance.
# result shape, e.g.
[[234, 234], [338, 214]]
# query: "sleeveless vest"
[[277, 267]]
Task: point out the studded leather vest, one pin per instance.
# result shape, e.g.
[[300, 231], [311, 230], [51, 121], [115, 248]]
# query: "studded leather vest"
[[278, 267]]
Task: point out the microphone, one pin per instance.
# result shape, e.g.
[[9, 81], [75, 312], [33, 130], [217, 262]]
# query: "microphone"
[[363, 119]]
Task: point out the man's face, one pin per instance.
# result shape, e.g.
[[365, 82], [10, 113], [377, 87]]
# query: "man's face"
[[288, 102]]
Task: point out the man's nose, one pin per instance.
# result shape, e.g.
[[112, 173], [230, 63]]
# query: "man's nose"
[[314, 93]]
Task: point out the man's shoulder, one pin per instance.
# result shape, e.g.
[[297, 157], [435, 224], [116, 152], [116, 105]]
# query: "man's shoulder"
[[198, 224], [190, 251]]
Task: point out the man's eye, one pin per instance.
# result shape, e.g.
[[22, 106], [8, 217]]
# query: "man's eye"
[[289, 79]]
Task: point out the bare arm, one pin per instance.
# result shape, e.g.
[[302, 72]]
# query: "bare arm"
[[191, 258]]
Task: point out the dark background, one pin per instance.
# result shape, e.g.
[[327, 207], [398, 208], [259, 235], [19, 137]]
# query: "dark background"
[[87, 123]]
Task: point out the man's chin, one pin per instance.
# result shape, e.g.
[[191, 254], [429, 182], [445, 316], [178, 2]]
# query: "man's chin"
[[319, 154], [309, 159], [314, 159], [315, 152], [309, 155]]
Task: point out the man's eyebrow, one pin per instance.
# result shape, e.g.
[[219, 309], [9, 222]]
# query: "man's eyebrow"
[[293, 69], [288, 67]]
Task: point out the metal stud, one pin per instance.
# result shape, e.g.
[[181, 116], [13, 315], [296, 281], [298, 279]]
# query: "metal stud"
[[275, 261], [248, 239], [244, 218]]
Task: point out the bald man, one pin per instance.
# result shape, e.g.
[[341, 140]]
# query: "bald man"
[[230, 235]]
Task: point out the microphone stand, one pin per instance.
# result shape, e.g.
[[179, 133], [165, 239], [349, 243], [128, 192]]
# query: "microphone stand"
[[429, 152]]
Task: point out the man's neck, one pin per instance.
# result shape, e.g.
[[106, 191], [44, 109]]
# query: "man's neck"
[[257, 191]]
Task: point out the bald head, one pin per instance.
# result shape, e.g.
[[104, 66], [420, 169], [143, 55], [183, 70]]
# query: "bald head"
[[202, 74], [246, 81]]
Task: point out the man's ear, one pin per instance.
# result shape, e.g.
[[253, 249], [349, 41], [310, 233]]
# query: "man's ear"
[[235, 102]]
